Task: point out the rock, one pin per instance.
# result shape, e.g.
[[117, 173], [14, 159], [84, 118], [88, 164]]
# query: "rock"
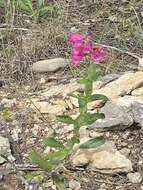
[[116, 117], [127, 101], [15, 133], [110, 77], [140, 65], [47, 150], [2, 123], [5, 150], [105, 159], [62, 89], [53, 109], [137, 109], [94, 134], [84, 132], [135, 177], [42, 81], [125, 151], [50, 65], [35, 130], [8, 103], [138, 92], [73, 184], [122, 86]]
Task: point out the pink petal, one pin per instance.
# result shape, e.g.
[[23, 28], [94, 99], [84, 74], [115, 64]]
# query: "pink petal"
[[74, 38], [98, 54], [88, 47], [77, 58]]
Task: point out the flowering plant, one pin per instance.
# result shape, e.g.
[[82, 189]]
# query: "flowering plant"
[[53, 162], [82, 47]]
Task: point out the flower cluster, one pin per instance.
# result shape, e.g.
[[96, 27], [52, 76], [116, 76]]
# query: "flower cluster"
[[82, 47]]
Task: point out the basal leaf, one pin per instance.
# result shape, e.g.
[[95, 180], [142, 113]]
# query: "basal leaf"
[[57, 156], [52, 142], [37, 159], [93, 143]]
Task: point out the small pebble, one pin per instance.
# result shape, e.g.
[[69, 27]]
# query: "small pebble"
[[73, 184], [135, 177], [125, 151]]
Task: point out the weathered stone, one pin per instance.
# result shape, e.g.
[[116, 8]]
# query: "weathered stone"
[[105, 159], [62, 89], [116, 117], [5, 150], [135, 177], [138, 92], [140, 65], [50, 65], [46, 107], [110, 77], [125, 151], [122, 86], [127, 101], [2, 123], [73, 184], [137, 109]]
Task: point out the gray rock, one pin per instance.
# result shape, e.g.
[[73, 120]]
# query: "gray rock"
[[137, 109], [2, 123], [135, 177], [50, 65], [116, 117], [5, 150], [109, 78]]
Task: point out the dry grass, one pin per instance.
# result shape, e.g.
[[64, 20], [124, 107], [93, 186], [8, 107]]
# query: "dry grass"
[[115, 23]]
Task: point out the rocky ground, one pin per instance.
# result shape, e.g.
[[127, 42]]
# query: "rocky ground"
[[118, 164]]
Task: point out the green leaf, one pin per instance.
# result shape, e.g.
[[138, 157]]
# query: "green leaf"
[[52, 142], [88, 118], [25, 5], [59, 181], [99, 97], [82, 101], [38, 176], [39, 160], [40, 4], [93, 143], [71, 142], [6, 113], [47, 10], [57, 156], [65, 119]]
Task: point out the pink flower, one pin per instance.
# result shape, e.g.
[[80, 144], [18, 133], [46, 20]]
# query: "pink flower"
[[74, 38], [77, 53], [88, 47], [98, 54], [82, 47]]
